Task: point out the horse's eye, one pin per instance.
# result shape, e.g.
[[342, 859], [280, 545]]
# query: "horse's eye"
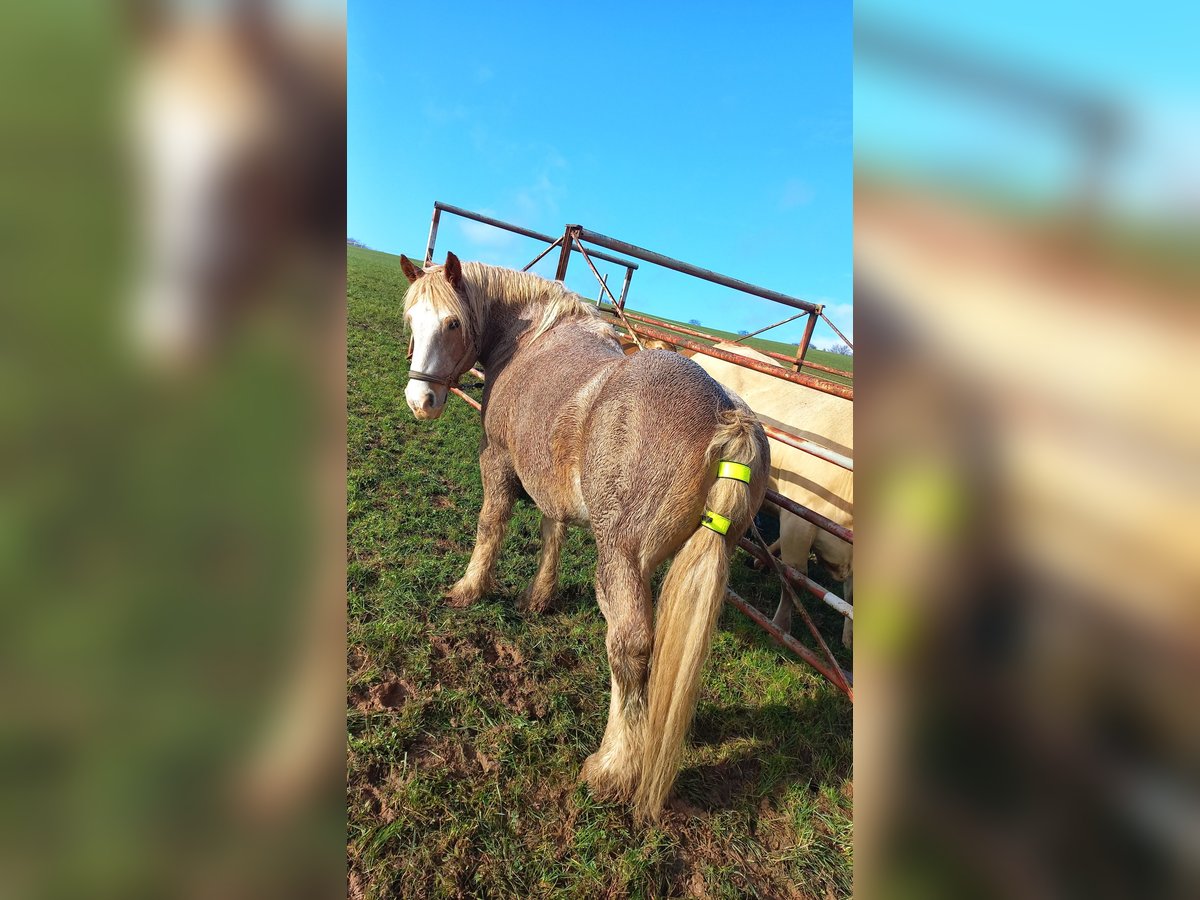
[[453, 324]]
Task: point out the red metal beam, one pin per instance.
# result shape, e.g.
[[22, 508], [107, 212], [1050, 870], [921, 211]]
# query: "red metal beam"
[[790, 643], [817, 384], [784, 358], [799, 579], [796, 509], [832, 456]]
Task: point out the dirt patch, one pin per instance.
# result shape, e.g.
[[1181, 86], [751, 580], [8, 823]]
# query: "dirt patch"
[[458, 758], [502, 653], [356, 662], [390, 694]]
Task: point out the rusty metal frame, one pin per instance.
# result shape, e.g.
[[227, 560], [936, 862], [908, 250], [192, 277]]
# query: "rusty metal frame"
[[572, 240], [687, 329]]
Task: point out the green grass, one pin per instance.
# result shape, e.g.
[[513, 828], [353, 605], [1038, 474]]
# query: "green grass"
[[467, 728]]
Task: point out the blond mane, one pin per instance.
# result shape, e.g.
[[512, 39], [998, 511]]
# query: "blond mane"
[[490, 289]]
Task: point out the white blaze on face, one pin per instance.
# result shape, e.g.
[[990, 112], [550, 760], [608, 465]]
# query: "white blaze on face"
[[430, 355]]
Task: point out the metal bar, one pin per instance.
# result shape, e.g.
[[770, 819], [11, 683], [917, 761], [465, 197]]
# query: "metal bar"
[[822, 522], [537, 259], [625, 288], [603, 289], [517, 229], [799, 579], [460, 392], [604, 284], [668, 262], [829, 322], [790, 643], [800, 608], [433, 227], [802, 348], [808, 364], [826, 387], [564, 253], [812, 447], [742, 337]]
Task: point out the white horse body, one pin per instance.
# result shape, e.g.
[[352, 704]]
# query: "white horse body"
[[808, 480]]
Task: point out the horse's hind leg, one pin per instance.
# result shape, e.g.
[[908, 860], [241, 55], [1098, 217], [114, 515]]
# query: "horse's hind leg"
[[539, 594], [499, 494], [624, 595]]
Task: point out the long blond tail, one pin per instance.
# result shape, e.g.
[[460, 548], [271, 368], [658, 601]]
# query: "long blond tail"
[[691, 599]]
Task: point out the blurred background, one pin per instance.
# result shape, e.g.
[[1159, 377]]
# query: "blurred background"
[[1027, 256], [172, 521]]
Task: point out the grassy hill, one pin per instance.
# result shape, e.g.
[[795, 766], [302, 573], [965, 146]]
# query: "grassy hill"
[[467, 728]]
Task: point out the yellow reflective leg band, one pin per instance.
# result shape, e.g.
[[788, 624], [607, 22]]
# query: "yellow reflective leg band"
[[735, 470], [715, 522]]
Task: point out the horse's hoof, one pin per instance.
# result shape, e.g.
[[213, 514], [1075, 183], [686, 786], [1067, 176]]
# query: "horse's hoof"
[[532, 601], [460, 597], [605, 784]]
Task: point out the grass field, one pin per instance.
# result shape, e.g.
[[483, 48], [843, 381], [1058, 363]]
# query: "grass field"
[[467, 728]]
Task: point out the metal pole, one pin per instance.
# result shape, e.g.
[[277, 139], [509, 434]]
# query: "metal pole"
[[604, 284], [818, 384], [625, 287], [802, 349], [743, 337], [537, 259], [836, 329], [716, 340], [564, 256], [433, 227], [790, 643], [668, 262], [799, 579], [603, 290], [811, 447], [439, 206]]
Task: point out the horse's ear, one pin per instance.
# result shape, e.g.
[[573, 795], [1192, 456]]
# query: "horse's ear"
[[411, 272], [453, 270]]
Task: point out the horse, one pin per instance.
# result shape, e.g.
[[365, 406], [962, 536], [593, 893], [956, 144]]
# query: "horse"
[[648, 450], [799, 476]]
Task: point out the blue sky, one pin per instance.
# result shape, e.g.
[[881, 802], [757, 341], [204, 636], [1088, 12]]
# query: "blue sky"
[[720, 135]]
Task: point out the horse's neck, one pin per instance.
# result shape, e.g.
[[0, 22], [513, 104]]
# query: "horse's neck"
[[502, 332]]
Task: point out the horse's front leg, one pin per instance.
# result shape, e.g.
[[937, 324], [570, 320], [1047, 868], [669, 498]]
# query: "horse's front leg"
[[539, 594], [500, 487]]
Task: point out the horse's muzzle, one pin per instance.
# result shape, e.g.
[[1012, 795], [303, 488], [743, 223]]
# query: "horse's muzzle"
[[424, 401]]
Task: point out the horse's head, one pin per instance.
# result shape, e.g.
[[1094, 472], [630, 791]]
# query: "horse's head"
[[443, 334]]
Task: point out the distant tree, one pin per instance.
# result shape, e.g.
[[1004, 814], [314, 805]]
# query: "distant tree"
[[841, 349], [744, 331], [694, 322], [354, 242]]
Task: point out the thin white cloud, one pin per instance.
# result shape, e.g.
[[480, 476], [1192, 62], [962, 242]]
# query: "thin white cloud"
[[795, 193], [482, 235]]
